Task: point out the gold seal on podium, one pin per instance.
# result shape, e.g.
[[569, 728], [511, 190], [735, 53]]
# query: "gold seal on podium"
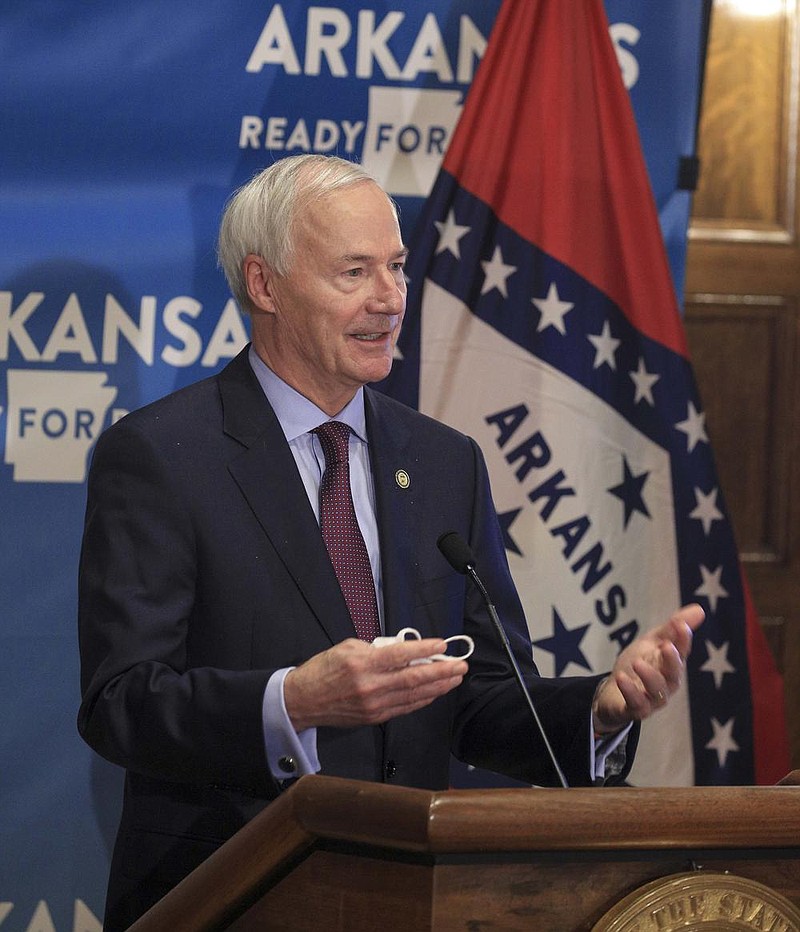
[[702, 901]]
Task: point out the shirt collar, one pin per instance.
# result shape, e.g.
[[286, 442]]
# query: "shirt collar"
[[296, 414]]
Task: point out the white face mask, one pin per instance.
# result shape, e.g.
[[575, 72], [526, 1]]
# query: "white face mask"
[[406, 633]]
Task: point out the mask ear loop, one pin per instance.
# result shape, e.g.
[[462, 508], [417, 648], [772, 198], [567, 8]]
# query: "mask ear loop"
[[450, 657], [400, 636], [457, 637]]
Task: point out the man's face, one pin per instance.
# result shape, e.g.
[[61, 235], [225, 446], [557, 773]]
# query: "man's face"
[[335, 317]]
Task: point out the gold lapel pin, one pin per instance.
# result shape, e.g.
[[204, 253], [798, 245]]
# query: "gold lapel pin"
[[402, 478]]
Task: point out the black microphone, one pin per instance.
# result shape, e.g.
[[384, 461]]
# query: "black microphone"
[[459, 555]]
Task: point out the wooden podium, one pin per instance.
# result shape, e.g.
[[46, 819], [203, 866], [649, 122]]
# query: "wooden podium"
[[347, 855]]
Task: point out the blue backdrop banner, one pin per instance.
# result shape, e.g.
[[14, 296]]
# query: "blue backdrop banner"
[[125, 128]]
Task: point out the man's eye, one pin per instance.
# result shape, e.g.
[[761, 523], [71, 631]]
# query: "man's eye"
[[353, 273]]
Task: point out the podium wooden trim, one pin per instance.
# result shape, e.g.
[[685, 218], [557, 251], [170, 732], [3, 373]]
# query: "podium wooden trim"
[[349, 855]]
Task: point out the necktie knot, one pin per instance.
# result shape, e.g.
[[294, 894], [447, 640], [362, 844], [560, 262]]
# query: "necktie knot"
[[334, 436]]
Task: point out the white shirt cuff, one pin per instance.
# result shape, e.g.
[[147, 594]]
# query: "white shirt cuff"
[[289, 754], [602, 749]]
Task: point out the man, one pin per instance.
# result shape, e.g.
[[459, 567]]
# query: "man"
[[219, 654]]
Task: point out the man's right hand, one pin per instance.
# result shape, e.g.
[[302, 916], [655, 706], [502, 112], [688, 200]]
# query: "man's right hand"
[[355, 683]]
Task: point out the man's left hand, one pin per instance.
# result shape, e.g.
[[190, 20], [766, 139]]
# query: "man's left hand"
[[646, 673]]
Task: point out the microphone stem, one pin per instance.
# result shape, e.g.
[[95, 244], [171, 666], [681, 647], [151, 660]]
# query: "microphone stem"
[[517, 672]]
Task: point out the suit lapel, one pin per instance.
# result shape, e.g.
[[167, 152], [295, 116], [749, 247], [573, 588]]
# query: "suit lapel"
[[398, 490], [267, 476]]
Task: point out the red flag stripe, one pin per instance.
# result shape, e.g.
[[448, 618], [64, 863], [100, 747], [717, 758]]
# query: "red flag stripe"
[[573, 140], [769, 714]]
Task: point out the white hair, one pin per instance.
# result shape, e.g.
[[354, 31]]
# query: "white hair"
[[259, 217]]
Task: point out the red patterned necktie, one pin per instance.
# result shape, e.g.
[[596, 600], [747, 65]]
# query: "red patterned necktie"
[[341, 533]]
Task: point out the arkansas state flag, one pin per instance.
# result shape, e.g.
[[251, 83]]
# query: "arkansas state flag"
[[542, 320]]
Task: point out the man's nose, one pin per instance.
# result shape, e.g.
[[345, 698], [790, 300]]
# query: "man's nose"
[[389, 294]]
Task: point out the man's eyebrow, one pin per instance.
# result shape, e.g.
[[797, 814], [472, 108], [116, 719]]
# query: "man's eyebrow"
[[366, 257]]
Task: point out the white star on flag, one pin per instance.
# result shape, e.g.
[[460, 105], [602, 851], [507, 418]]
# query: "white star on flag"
[[605, 346], [450, 233], [497, 273], [694, 427], [711, 586], [717, 663], [552, 309], [706, 510], [722, 742], [644, 382]]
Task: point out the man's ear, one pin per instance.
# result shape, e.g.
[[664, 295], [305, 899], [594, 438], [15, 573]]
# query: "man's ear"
[[259, 278]]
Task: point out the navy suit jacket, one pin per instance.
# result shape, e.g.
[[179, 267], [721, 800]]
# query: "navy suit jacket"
[[203, 571]]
